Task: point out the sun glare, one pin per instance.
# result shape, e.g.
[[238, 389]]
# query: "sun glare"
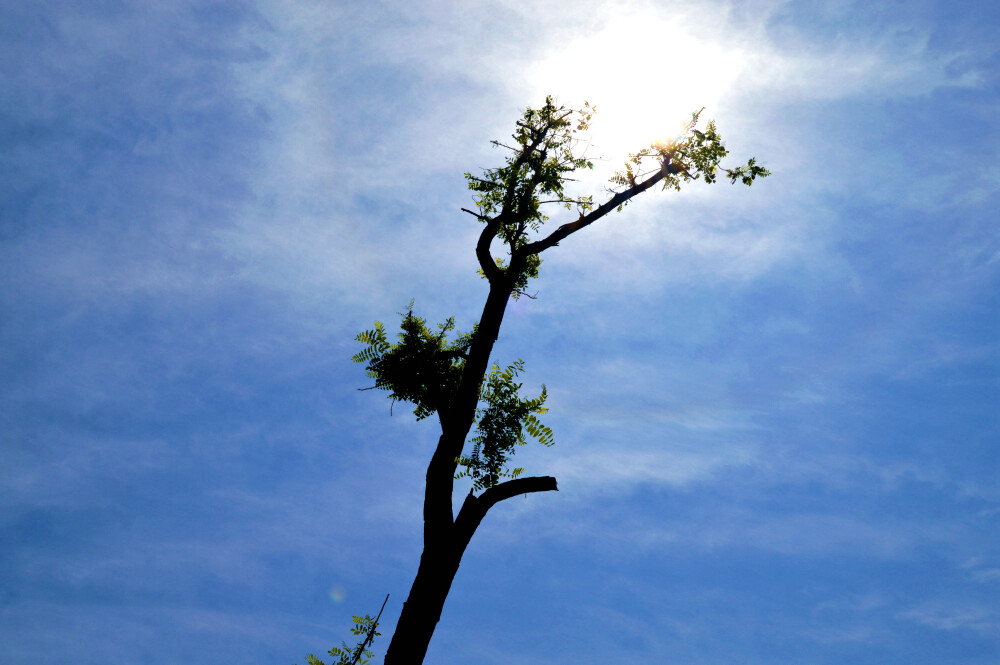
[[645, 74]]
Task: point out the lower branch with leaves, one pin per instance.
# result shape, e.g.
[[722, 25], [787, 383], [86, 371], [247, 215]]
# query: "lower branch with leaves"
[[359, 654]]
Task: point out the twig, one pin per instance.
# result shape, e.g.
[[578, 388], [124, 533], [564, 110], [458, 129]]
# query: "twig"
[[370, 636]]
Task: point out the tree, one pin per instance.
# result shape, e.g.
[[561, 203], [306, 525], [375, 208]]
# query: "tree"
[[453, 378]]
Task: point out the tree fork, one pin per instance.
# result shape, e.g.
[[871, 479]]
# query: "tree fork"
[[445, 539], [439, 563]]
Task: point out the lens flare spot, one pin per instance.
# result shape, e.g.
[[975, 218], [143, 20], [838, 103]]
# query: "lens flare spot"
[[337, 594]]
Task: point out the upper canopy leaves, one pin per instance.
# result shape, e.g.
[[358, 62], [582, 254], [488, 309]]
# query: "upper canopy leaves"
[[510, 198], [694, 154], [543, 153]]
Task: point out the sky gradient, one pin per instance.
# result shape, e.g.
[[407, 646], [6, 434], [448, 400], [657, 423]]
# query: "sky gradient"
[[775, 409]]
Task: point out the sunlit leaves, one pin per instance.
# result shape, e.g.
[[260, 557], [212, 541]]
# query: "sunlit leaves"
[[543, 153], [694, 154], [545, 150], [747, 173]]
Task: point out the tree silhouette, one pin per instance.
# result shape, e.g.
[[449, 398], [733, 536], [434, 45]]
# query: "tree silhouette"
[[454, 379]]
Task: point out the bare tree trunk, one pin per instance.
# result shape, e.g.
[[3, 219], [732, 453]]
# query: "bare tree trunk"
[[422, 609]]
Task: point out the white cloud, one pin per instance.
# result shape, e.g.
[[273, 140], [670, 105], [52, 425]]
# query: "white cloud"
[[953, 615], [627, 466], [987, 575]]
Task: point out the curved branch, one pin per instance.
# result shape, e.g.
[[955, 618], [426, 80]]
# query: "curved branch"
[[486, 262], [475, 507], [511, 488]]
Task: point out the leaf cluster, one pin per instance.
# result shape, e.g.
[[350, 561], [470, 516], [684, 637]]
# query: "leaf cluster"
[[543, 151], [542, 154], [422, 368], [692, 155], [359, 654], [502, 423]]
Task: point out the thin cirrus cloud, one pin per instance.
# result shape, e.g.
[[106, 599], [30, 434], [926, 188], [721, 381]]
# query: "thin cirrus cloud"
[[772, 403]]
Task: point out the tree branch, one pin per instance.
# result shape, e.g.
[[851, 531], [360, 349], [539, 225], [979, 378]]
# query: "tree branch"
[[591, 217], [476, 214], [510, 488], [556, 200], [493, 225], [503, 145], [369, 635], [486, 262], [523, 156], [475, 507]]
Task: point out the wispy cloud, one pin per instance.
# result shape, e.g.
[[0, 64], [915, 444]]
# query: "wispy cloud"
[[771, 404], [954, 615]]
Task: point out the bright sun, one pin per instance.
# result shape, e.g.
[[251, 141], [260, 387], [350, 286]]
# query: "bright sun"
[[645, 73]]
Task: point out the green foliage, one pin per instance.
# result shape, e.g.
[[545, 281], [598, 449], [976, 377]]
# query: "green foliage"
[[359, 654], [543, 153], [747, 174], [502, 423], [422, 368], [693, 155]]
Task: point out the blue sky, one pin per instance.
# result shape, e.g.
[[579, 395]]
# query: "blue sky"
[[775, 409]]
